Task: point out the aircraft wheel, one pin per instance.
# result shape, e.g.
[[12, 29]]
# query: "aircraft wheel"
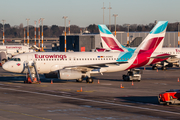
[[89, 80], [79, 80], [154, 67], [163, 68]]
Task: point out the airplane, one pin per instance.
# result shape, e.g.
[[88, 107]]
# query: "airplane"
[[78, 65], [16, 49], [110, 43], [7, 51]]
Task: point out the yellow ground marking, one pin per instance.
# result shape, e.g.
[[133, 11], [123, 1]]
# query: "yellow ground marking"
[[17, 75], [25, 114], [89, 91], [42, 85]]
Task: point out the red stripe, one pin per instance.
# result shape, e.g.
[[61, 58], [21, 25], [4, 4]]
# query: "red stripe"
[[111, 43], [144, 54]]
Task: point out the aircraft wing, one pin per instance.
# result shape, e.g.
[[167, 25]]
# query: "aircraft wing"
[[164, 56], [89, 67]]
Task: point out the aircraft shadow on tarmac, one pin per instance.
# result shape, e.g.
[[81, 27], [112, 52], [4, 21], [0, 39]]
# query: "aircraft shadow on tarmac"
[[140, 99], [21, 79]]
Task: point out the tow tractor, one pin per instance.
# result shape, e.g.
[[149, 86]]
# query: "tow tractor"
[[170, 97], [134, 74]]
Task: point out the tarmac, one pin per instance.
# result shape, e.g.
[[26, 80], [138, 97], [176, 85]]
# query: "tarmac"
[[103, 100]]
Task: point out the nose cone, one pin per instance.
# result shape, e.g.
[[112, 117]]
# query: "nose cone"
[[5, 67]]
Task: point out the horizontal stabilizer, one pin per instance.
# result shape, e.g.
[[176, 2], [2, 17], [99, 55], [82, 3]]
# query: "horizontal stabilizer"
[[164, 56]]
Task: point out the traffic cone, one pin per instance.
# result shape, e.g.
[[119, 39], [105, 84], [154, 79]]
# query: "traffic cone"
[[121, 86], [81, 89], [178, 80], [144, 68], [98, 81], [157, 70], [51, 81], [132, 83]]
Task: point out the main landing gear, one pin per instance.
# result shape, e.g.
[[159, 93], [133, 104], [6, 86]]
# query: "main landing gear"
[[88, 80]]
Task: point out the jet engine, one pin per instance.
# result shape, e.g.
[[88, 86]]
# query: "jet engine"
[[68, 74]]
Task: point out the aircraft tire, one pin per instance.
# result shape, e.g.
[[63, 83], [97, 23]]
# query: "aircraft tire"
[[89, 80], [163, 68], [79, 80], [154, 67]]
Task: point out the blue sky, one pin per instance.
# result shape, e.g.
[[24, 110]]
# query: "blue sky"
[[86, 12]]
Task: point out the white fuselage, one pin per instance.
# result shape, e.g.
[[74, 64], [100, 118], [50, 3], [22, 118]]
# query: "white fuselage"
[[47, 62], [15, 49]]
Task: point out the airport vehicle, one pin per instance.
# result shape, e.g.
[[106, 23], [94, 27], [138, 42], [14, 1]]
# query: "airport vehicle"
[[169, 97], [7, 51], [79, 65], [132, 75], [110, 43]]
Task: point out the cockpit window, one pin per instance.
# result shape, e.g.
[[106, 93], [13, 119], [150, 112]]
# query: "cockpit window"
[[15, 59]]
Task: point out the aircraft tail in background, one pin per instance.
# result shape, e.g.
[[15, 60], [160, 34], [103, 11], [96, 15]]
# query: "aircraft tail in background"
[[109, 42]]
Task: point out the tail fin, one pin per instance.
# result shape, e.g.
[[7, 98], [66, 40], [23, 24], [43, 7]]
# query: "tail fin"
[[154, 40], [109, 42], [152, 43]]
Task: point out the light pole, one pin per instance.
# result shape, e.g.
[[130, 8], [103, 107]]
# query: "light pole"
[[27, 31], [42, 33], [35, 33], [65, 17], [69, 27], [178, 35], [128, 35], [103, 12], [115, 15], [39, 33], [24, 36], [110, 16], [3, 31]]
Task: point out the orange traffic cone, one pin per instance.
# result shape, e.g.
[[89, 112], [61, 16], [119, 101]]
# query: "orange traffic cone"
[[81, 89], [98, 81], [121, 86], [51, 81], [132, 83], [157, 70], [178, 80], [144, 68]]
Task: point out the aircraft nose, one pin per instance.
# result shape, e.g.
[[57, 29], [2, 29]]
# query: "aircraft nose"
[[5, 66]]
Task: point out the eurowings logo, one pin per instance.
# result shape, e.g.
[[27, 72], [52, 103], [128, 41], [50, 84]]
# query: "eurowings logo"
[[18, 64], [13, 47], [50, 56], [177, 50]]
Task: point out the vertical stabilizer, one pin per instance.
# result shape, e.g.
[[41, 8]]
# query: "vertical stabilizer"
[[109, 42]]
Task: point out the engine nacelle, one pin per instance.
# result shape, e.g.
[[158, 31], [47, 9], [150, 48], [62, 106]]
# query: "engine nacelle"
[[67, 74]]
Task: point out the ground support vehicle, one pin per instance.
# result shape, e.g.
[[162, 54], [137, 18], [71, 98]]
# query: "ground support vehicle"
[[170, 97], [134, 74]]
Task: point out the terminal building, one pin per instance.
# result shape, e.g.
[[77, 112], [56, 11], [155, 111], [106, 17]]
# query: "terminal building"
[[88, 42]]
